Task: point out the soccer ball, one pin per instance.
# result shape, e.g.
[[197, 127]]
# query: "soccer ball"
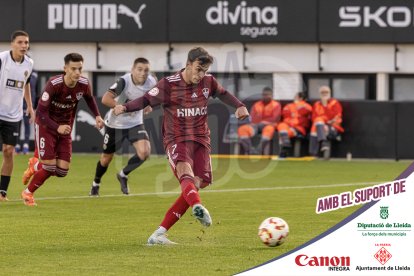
[[273, 231]]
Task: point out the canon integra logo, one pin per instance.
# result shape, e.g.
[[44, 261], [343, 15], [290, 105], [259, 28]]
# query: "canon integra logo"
[[304, 260], [90, 16], [365, 16]]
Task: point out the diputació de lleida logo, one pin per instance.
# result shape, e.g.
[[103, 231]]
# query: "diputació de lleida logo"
[[384, 212]]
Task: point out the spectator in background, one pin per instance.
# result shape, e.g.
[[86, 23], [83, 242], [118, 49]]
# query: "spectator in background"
[[26, 120], [326, 121], [296, 121], [265, 114]]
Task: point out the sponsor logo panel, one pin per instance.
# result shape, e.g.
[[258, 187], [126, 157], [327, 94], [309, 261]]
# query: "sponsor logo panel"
[[97, 20], [366, 21], [243, 20]]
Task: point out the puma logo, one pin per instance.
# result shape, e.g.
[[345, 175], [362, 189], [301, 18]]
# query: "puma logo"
[[122, 9]]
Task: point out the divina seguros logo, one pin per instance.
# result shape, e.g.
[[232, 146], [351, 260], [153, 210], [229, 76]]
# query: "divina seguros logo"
[[90, 16], [255, 21]]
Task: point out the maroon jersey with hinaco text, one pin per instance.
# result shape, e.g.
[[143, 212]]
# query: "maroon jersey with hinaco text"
[[58, 103], [185, 107]]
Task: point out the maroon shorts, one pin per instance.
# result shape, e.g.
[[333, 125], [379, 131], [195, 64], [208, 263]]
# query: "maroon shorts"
[[51, 145], [194, 153]]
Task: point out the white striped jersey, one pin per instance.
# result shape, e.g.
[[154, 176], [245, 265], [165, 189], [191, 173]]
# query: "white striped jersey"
[[126, 91], [13, 78]]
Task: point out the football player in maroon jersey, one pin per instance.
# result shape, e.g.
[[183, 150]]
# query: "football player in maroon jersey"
[[54, 121], [186, 135]]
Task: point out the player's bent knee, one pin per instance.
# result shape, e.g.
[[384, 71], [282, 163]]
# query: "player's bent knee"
[[51, 168], [60, 172], [143, 154], [183, 168], [200, 183], [8, 151], [204, 184], [106, 159]]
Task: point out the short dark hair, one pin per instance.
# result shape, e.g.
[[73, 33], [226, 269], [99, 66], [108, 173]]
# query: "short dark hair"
[[141, 60], [200, 54], [75, 57], [267, 89], [18, 33], [301, 95]]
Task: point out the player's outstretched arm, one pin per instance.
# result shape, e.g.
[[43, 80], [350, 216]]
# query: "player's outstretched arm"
[[31, 113], [29, 104], [228, 98], [147, 110], [99, 122], [241, 113], [90, 101], [119, 109], [108, 99], [135, 105]]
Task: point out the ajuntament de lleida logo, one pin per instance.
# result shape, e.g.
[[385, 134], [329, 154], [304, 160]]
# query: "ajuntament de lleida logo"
[[384, 212]]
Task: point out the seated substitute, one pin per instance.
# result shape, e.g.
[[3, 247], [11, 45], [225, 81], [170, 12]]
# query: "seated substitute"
[[326, 121], [296, 122], [265, 114]]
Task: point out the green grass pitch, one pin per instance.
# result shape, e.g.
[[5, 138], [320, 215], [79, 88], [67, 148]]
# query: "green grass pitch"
[[69, 233]]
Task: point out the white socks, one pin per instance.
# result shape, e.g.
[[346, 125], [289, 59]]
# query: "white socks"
[[94, 184], [161, 230], [121, 173]]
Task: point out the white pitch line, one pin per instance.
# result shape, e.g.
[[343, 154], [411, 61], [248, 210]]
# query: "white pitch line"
[[290, 187], [216, 191]]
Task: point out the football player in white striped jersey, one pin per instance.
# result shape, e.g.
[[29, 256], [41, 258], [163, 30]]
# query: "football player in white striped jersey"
[[15, 70], [128, 126]]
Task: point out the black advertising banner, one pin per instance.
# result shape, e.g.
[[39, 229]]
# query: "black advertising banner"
[[96, 20], [11, 18], [388, 21], [292, 21], [244, 21]]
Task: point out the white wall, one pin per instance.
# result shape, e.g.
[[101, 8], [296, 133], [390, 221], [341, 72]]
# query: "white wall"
[[338, 58], [286, 85], [119, 57], [49, 57], [357, 58], [286, 61], [4, 46], [382, 87], [227, 57], [405, 58], [282, 57]]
